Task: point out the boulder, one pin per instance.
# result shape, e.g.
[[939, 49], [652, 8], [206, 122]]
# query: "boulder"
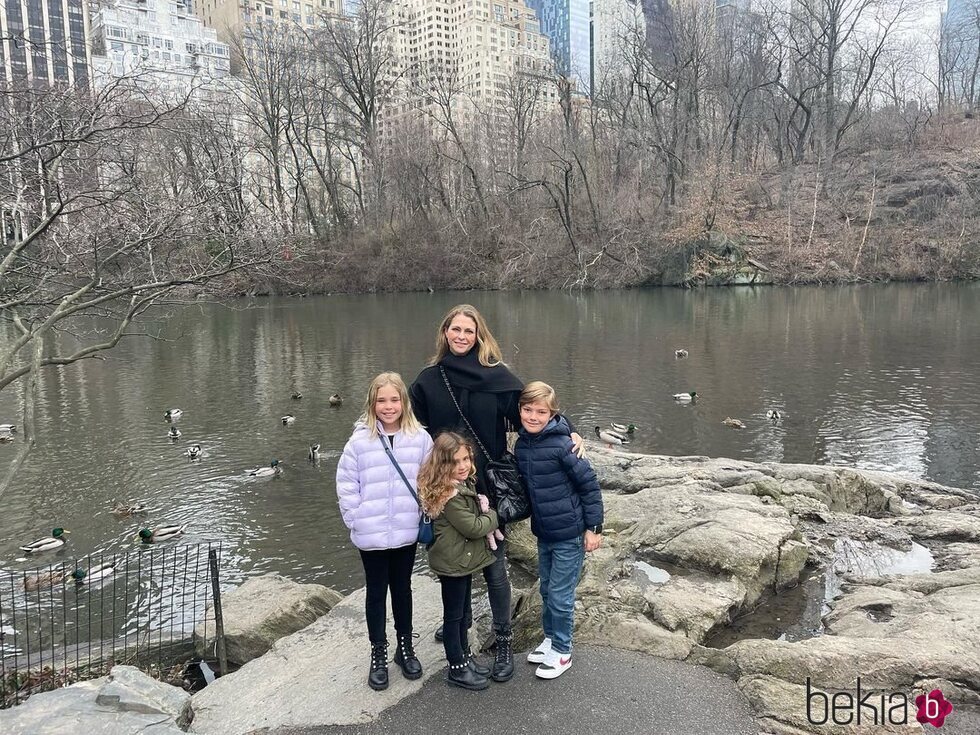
[[260, 612], [125, 702]]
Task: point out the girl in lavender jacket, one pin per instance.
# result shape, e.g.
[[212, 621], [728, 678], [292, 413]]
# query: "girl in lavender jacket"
[[383, 515]]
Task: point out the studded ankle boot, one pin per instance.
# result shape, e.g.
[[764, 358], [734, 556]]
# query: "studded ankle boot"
[[405, 656], [503, 663], [378, 676], [461, 675]]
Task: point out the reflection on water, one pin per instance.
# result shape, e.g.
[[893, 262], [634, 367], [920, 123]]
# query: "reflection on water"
[[876, 377]]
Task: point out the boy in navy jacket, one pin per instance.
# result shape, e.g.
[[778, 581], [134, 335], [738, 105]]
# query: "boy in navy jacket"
[[566, 517]]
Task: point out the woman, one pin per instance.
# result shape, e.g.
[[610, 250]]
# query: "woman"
[[487, 393]]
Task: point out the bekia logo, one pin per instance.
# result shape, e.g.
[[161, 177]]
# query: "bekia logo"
[[870, 708]]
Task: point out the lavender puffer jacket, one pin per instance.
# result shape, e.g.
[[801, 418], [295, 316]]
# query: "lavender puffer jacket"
[[374, 502]]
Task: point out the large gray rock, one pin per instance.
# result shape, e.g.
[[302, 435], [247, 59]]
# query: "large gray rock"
[[123, 703], [260, 612], [318, 676]]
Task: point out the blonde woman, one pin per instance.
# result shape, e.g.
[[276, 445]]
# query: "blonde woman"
[[468, 358], [383, 514]]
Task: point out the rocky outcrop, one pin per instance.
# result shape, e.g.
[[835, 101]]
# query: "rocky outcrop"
[[260, 612], [126, 701], [694, 543]]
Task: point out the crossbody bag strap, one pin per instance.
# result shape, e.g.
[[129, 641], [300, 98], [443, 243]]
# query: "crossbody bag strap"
[[391, 456], [463, 416]]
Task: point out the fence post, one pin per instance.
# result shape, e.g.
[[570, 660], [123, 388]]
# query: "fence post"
[[219, 625]]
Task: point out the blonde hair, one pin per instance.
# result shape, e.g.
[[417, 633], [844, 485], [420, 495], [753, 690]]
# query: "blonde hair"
[[435, 476], [489, 351], [536, 391], [408, 423]]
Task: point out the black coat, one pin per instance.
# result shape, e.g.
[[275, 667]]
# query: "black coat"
[[564, 489]]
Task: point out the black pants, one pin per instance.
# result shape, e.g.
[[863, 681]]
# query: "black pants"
[[498, 590], [383, 569], [457, 616]]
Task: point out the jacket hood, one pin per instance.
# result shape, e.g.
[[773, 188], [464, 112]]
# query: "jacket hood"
[[557, 425]]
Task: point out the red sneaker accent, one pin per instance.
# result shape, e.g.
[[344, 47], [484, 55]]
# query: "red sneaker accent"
[[564, 661]]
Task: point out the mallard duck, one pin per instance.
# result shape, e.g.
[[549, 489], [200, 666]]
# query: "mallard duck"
[[733, 423], [679, 354], [6, 437], [173, 414], [8, 428], [163, 533], [93, 574], [335, 399], [272, 469], [685, 397], [174, 433], [296, 396], [43, 580], [194, 452], [610, 438], [623, 428], [773, 415], [288, 419], [314, 454], [55, 541], [122, 509]]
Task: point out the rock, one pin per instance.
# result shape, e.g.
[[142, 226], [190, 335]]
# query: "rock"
[[125, 702], [260, 612], [318, 675]]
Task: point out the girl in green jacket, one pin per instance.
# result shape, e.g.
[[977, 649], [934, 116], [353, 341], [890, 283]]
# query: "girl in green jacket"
[[447, 492]]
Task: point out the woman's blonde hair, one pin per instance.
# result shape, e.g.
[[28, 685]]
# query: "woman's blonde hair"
[[536, 391], [409, 424], [436, 473], [489, 351]]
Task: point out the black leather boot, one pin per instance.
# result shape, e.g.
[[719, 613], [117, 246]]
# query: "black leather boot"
[[378, 676], [405, 657], [438, 634], [476, 666], [461, 675], [503, 663]]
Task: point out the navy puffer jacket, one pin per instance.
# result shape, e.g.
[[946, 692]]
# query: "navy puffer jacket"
[[564, 490]]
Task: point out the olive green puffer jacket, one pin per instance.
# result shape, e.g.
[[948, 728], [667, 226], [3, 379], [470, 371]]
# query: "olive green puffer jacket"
[[460, 529]]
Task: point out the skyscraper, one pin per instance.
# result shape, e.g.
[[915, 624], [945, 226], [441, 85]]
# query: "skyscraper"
[[44, 41], [566, 23]]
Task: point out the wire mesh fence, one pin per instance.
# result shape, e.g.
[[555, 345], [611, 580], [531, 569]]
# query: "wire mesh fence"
[[75, 618]]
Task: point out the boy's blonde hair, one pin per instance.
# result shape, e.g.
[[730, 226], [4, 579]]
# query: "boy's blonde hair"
[[409, 424], [435, 478], [538, 391], [488, 351]]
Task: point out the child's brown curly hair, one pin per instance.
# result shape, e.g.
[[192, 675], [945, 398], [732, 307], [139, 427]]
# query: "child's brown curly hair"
[[435, 478]]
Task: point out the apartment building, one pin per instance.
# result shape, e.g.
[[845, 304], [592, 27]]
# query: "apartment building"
[[44, 41]]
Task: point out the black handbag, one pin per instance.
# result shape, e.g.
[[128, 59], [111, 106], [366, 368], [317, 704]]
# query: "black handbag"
[[427, 534], [503, 479]]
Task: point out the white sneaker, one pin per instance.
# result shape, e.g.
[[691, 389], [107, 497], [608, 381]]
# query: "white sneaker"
[[538, 655], [555, 664]]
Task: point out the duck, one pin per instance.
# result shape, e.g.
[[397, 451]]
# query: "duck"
[[288, 419], [623, 428], [8, 428], [93, 574], [122, 509], [173, 414], [6, 437], [685, 397], [44, 580], [335, 399], [733, 423], [314, 454], [611, 438], [174, 433], [163, 533], [296, 396], [272, 469], [680, 354], [773, 415], [194, 452], [55, 541]]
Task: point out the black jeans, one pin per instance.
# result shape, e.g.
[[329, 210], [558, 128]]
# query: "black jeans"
[[383, 569], [457, 616], [498, 590]]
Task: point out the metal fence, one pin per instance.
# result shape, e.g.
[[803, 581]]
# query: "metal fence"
[[138, 607]]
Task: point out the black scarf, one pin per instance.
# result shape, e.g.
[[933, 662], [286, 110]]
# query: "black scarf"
[[465, 371]]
